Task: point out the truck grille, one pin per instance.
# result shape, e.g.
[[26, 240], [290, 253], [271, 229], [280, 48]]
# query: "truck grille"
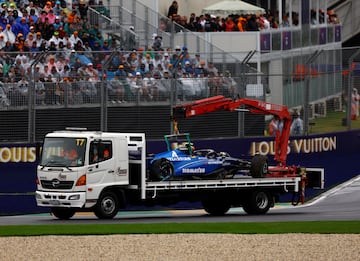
[[57, 184]]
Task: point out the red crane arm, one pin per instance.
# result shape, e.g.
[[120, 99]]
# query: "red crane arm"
[[218, 103]]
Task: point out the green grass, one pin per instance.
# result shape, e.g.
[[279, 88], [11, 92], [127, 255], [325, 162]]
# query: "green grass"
[[322, 227], [332, 122]]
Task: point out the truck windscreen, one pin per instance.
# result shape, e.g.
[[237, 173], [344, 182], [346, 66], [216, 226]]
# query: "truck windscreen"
[[63, 152]]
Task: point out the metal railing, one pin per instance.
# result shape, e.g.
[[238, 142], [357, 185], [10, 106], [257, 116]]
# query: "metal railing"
[[33, 86]]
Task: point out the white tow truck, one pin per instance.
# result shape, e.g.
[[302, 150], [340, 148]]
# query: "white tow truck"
[[104, 172]]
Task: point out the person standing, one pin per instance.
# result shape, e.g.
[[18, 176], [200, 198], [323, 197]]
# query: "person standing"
[[275, 125], [297, 125], [355, 97], [173, 9]]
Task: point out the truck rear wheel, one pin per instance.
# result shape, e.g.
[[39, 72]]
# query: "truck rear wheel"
[[258, 203], [160, 169], [259, 166], [107, 206], [216, 206], [63, 213]]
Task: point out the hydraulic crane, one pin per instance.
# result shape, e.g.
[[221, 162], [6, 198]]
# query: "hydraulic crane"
[[218, 103]]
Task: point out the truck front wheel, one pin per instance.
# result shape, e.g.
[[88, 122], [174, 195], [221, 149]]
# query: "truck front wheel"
[[107, 206], [259, 202], [63, 213], [216, 206]]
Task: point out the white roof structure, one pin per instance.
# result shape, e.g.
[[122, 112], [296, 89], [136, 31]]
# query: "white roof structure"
[[228, 7]]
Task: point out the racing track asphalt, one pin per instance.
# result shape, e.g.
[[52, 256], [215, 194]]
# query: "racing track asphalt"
[[340, 203]]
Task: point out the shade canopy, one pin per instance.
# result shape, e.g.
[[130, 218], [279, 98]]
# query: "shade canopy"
[[225, 8]]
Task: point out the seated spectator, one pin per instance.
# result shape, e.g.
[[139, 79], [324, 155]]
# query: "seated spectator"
[[39, 91], [57, 9], [9, 35], [116, 89], [51, 17]]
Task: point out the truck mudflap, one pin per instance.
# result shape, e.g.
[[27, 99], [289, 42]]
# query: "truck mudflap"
[[60, 199]]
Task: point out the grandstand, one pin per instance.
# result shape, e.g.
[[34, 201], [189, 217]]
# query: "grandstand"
[[120, 65]]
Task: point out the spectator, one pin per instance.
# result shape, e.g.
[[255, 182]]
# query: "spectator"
[[297, 125], [275, 125], [355, 97], [242, 23], [116, 89], [252, 25], [51, 16], [212, 68], [102, 9], [9, 35], [57, 22], [130, 39], [83, 9], [39, 90], [229, 24], [72, 17], [57, 8], [228, 85], [2, 41], [23, 88], [47, 6], [38, 39], [157, 45], [74, 39], [173, 9]]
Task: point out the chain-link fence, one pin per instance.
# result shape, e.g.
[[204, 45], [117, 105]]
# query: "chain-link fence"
[[56, 85]]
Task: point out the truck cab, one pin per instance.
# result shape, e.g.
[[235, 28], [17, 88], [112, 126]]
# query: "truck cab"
[[76, 166]]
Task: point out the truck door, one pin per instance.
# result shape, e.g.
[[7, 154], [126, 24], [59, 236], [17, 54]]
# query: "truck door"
[[101, 162]]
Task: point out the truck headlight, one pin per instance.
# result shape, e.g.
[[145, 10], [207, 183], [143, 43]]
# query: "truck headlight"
[[74, 197]]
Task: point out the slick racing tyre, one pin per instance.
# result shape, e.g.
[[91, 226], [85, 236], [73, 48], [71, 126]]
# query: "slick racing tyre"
[[160, 169], [259, 166]]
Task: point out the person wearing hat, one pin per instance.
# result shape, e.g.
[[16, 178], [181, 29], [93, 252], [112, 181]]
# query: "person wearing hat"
[[57, 8], [74, 39], [131, 39], [58, 23], [47, 7], [39, 39], [22, 27], [55, 39]]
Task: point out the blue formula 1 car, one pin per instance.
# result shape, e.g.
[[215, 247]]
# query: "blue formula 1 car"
[[182, 162]]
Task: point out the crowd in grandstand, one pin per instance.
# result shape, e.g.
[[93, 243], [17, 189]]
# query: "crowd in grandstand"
[[242, 23], [56, 47]]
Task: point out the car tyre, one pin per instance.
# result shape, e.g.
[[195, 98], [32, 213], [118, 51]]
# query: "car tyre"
[[160, 169], [259, 166]]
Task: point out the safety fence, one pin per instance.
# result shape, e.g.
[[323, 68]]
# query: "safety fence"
[[52, 82]]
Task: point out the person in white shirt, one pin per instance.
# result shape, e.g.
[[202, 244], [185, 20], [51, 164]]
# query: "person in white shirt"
[[297, 125]]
